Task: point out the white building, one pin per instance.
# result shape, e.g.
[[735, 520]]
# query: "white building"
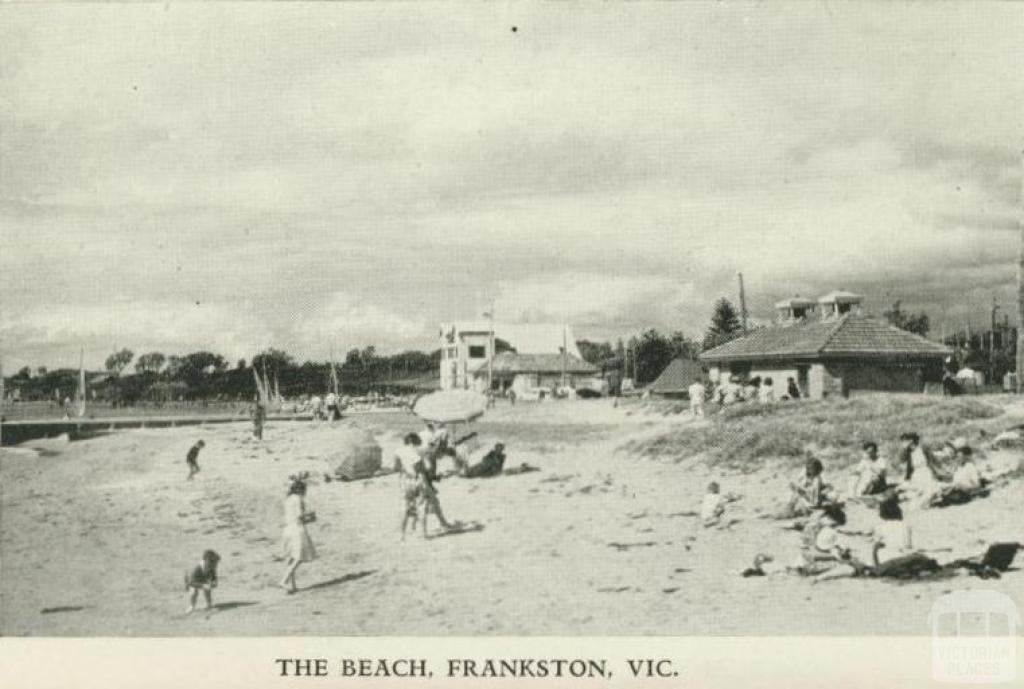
[[466, 351]]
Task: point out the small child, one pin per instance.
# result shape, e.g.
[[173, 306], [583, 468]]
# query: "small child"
[[713, 506], [202, 578], [412, 507], [406, 458], [192, 459]]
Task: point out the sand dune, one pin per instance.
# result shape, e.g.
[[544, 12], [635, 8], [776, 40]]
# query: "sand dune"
[[95, 540]]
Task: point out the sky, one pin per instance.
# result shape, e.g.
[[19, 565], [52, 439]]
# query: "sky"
[[317, 177]]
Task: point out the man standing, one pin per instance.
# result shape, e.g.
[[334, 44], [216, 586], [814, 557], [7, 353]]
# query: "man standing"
[[259, 415], [697, 393], [332, 406], [192, 459]]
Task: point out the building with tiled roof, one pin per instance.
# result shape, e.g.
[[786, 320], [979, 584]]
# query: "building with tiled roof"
[[834, 352], [543, 356], [677, 377]]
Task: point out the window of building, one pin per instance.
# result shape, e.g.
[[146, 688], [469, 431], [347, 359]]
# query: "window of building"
[[477, 352]]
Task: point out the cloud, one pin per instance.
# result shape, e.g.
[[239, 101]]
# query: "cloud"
[[59, 330], [346, 321], [595, 302], [615, 165]]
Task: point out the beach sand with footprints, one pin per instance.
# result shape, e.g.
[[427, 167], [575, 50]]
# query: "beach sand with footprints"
[[602, 540]]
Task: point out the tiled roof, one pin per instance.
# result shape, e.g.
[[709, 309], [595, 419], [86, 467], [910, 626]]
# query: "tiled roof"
[[815, 339], [510, 362], [678, 376]]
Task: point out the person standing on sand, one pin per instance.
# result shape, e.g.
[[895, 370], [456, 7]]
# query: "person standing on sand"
[[425, 471], [192, 459], [406, 458], [259, 415], [298, 546], [697, 392]]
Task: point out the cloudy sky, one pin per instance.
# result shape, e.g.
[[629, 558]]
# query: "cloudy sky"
[[306, 176]]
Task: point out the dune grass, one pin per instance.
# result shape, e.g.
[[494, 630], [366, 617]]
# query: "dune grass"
[[744, 437]]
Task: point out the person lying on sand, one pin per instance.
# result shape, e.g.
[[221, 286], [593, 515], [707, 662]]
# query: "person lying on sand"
[[490, 465], [712, 507], [203, 577], [891, 533]]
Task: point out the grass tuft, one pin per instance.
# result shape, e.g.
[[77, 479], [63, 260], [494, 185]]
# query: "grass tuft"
[[745, 437]]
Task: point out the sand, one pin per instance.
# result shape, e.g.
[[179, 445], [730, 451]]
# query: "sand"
[[598, 542]]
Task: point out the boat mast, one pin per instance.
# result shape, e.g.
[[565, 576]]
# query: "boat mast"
[[81, 382]]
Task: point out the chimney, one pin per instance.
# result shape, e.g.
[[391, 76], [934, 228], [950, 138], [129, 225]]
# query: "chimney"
[[794, 310], [839, 303]]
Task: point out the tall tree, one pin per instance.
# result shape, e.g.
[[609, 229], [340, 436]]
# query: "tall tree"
[[273, 360], [916, 323], [595, 352], [151, 362], [725, 324], [117, 361], [653, 352], [683, 347]]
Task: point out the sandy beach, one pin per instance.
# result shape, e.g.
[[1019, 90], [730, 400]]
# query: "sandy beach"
[[598, 541]]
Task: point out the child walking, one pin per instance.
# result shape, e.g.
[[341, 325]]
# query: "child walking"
[[203, 577], [192, 459], [406, 459]]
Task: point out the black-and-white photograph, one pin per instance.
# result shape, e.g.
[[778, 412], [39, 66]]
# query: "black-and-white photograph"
[[509, 320]]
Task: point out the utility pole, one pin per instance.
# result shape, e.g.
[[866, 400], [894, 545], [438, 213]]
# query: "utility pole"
[[743, 304], [992, 344], [490, 348], [1020, 280], [565, 353]]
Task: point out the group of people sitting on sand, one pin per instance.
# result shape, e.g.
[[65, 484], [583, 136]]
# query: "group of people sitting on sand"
[[919, 477]]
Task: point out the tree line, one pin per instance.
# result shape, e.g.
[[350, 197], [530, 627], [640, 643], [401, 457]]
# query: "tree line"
[[159, 377]]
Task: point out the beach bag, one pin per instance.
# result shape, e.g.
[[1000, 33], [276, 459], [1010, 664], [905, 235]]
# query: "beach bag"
[[355, 454]]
